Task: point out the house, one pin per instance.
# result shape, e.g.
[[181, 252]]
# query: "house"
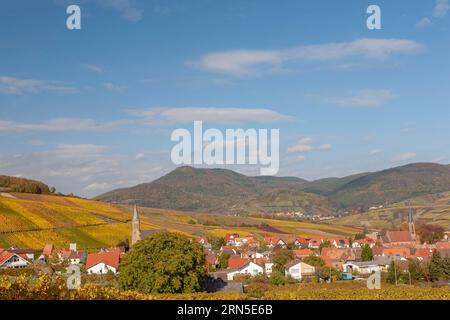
[[271, 242], [204, 242], [422, 254], [237, 262], [229, 250], [401, 252], [361, 242], [297, 269], [230, 238], [26, 253], [362, 267], [103, 262], [340, 243], [314, 243], [250, 268], [13, 260], [302, 253], [268, 268]]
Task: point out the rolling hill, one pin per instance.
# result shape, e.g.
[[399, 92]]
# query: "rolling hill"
[[216, 190], [223, 191]]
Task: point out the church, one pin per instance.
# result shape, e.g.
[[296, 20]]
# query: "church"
[[136, 233], [406, 238]]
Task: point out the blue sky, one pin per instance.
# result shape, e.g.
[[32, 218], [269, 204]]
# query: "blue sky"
[[91, 110]]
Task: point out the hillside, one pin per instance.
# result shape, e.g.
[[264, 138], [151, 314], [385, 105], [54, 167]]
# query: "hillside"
[[391, 185], [216, 190], [31, 221], [14, 184], [225, 191], [430, 209]]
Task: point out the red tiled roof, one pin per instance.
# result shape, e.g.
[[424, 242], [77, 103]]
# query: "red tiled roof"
[[303, 252], [48, 249], [111, 258], [398, 236], [400, 251], [442, 245], [237, 262]]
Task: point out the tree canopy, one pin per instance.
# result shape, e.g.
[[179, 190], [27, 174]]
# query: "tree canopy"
[[164, 263]]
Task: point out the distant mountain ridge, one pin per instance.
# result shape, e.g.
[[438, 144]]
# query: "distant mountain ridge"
[[221, 190]]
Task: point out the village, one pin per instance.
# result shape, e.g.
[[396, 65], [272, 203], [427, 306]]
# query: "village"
[[233, 258]]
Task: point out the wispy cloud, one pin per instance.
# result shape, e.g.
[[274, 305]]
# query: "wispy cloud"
[[127, 8], [114, 87], [404, 157], [58, 125], [93, 68], [366, 98], [306, 145], [374, 152], [13, 85], [247, 62], [423, 23], [441, 8], [168, 115]]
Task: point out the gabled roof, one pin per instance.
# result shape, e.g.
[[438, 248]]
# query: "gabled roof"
[[5, 255], [111, 258], [48, 249], [237, 262], [398, 236]]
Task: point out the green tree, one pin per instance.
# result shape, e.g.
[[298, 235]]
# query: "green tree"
[[325, 244], [277, 278], [314, 261], [415, 270], [393, 273], [164, 263], [223, 260], [436, 267], [124, 243], [281, 257], [366, 253], [217, 243]]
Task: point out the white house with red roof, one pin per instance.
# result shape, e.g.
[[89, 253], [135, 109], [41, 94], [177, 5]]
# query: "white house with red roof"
[[14, 260], [103, 262], [250, 268], [297, 269]]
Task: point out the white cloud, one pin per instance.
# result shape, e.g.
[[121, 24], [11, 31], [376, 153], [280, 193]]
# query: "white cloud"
[[300, 148], [246, 62], [301, 158], [374, 152], [367, 98], [114, 87], [325, 146], [12, 85], [306, 145], [58, 125], [93, 68], [126, 7], [404, 157], [441, 8], [140, 156], [423, 23], [97, 187], [169, 115]]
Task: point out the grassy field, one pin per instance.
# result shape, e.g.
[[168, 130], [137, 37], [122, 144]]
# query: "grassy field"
[[433, 209], [31, 221]]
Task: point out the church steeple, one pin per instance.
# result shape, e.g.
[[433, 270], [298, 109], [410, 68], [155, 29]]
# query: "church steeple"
[[136, 227], [411, 226]]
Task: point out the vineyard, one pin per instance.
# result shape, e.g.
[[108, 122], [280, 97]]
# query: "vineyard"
[[31, 221], [48, 288]]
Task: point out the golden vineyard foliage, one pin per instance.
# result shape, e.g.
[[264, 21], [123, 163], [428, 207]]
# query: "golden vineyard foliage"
[[45, 287], [357, 291]]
